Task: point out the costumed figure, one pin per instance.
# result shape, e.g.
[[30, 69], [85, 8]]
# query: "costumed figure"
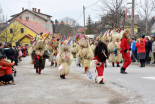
[[114, 49], [40, 55], [32, 51], [93, 46], [85, 54], [64, 58], [53, 48], [99, 61], [125, 50], [24, 49]]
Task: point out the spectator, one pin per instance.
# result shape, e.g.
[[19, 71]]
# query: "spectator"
[[5, 67], [141, 51], [1, 49], [148, 48], [153, 47], [134, 50]]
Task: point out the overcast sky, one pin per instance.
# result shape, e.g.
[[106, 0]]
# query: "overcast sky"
[[56, 8]]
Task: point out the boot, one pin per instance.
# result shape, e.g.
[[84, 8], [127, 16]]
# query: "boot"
[[86, 70], [39, 71], [1, 83], [62, 76], [36, 70], [52, 63], [144, 63], [118, 64], [113, 64], [123, 71], [141, 63], [101, 82], [55, 64]]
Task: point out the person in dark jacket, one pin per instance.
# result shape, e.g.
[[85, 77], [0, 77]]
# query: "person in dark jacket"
[[1, 50], [148, 48]]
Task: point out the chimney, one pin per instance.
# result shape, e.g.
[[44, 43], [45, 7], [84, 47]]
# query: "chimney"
[[32, 9], [38, 10], [22, 9]]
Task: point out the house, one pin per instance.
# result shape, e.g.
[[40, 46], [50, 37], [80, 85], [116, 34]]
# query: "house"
[[128, 21], [36, 16], [21, 31], [152, 23]]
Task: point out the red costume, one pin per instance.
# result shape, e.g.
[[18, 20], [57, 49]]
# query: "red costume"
[[24, 51], [125, 50], [99, 69]]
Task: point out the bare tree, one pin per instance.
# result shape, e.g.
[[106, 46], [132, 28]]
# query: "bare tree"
[[145, 9], [112, 12]]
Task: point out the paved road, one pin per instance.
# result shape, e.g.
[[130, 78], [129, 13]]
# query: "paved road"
[[48, 88]]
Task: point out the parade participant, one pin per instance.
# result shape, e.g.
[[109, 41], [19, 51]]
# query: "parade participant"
[[141, 52], [53, 48], [39, 56], [31, 51], [114, 49], [64, 59], [125, 50], [85, 54], [24, 49], [75, 49], [101, 54], [93, 46]]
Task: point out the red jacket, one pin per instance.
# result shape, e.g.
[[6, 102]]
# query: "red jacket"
[[140, 47], [3, 69], [124, 45]]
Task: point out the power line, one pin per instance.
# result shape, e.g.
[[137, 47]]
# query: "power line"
[[79, 17], [93, 4]]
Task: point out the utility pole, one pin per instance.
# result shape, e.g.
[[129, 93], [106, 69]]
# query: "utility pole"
[[133, 8], [84, 19]]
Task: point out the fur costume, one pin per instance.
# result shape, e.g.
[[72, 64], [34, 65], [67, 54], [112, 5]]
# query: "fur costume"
[[75, 49], [93, 46], [31, 52], [106, 39], [114, 49], [53, 48], [85, 54], [101, 54], [64, 59], [40, 55]]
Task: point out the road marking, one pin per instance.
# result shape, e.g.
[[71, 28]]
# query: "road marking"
[[152, 78]]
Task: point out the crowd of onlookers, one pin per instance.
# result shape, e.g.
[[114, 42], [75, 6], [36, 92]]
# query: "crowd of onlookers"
[[9, 57], [143, 50]]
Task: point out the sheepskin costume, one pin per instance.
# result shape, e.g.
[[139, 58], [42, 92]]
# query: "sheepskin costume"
[[53, 48], [85, 54], [106, 39], [40, 55], [114, 49], [93, 46], [75, 49], [64, 59], [31, 52]]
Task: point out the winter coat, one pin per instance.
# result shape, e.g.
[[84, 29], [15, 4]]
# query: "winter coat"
[[148, 46], [3, 63], [140, 47], [2, 52], [124, 45], [133, 46], [153, 46]]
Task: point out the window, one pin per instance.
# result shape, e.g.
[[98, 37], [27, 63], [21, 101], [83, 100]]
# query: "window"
[[11, 30], [22, 30], [27, 18]]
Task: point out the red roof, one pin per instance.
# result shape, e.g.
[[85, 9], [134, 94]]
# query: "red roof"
[[81, 30], [34, 26]]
